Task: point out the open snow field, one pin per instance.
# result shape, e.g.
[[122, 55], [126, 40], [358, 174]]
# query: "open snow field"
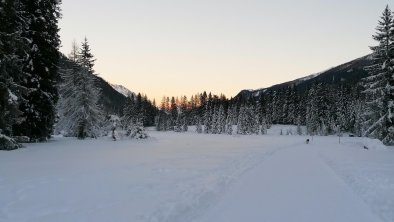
[[182, 177]]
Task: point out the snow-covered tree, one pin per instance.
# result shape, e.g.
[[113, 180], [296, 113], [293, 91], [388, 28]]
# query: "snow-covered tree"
[[85, 57], [215, 120], [229, 121], [379, 84], [241, 124], [221, 122], [299, 129], [80, 113], [263, 128], [133, 118], [41, 67], [207, 119], [312, 117], [12, 56], [248, 121], [74, 54], [357, 113], [198, 125]]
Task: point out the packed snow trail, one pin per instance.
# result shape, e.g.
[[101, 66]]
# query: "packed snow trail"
[[292, 185]]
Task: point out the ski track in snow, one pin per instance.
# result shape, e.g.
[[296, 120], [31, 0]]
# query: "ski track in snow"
[[369, 173], [195, 200], [185, 177]]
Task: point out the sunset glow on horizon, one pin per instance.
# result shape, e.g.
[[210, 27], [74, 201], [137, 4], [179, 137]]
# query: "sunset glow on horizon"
[[182, 47]]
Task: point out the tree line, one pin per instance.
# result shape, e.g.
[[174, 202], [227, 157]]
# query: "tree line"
[[364, 108]]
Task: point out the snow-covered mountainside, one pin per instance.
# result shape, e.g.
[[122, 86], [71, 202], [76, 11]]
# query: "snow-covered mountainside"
[[123, 90], [350, 72]]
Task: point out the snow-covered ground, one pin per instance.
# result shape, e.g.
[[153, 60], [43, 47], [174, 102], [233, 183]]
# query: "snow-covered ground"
[[179, 177]]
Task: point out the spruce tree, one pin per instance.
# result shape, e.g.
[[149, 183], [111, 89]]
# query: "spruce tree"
[[379, 85], [207, 119], [312, 116], [80, 114], [221, 120], [263, 129], [229, 121], [215, 120], [85, 57], [12, 56], [198, 125], [241, 123], [41, 67]]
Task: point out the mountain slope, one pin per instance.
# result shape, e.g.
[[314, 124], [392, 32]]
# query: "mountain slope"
[[122, 90], [112, 101], [351, 73]]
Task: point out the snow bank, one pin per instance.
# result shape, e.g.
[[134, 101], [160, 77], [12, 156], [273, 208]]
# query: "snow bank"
[[364, 143]]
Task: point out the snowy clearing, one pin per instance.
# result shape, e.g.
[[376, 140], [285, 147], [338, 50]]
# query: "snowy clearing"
[[190, 177]]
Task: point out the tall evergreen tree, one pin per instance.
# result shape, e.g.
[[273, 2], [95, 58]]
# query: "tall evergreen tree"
[[221, 121], [85, 57], [229, 121], [379, 85], [80, 114], [12, 55], [198, 125], [41, 67], [312, 116]]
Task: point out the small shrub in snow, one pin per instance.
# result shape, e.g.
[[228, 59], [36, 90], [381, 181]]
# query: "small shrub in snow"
[[21, 139], [7, 143], [137, 133]]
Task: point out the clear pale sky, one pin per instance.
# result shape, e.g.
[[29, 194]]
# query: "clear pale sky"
[[181, 47]]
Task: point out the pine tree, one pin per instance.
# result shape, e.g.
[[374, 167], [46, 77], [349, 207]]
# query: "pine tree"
[[74, 54], [241, 124], [207, 119], [357, 112], [229, 121], [221, 122], [12, 56], [198, 125], [133, 118], [340, 111], [80, 114], [183, 113], [174, 113], [41, 67], [177, 126], [379, 85], [263, 129], [299, 129], [85, 57], [215, 119], [312, 116]]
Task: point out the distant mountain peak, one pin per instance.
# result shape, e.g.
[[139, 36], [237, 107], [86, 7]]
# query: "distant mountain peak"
[[122, 90]]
